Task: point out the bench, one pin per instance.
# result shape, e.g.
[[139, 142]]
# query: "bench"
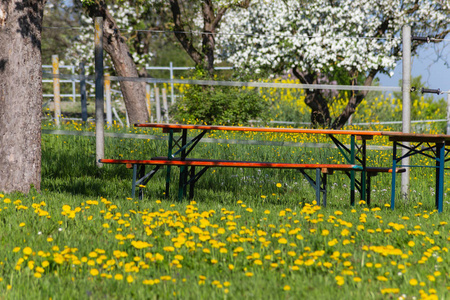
[[189, 178], [140, 177]]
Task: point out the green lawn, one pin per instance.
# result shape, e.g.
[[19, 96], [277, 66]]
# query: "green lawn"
[[246, 234]]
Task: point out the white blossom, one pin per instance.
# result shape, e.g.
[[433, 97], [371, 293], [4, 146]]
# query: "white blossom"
[[323, 34]]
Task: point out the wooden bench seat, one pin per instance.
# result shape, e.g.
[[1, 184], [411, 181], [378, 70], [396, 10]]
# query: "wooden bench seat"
[[319, 182], [228, 163]]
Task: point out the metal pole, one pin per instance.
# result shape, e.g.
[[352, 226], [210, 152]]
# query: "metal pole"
[[406, 111], [108, 101], [56, 89], [166, 107], [83, 93], [99, 93], [448, 112], [172, 100]]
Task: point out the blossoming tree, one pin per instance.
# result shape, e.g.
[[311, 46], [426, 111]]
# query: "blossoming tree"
[[350, 41], [116, 46]]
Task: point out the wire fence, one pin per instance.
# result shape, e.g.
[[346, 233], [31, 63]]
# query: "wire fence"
[[73, 80]]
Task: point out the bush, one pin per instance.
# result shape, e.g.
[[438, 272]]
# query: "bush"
[[219, 105]]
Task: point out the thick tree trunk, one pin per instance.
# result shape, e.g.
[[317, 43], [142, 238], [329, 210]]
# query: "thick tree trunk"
[[20, 94], [115, 45], [356, 98], [320, 113]]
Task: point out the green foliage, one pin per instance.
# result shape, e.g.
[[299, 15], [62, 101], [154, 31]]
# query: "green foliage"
[[219, 105]]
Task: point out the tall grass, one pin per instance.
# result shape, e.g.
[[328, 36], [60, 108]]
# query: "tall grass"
[[248, 233]]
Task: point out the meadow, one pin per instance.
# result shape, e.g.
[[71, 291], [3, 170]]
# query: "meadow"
[[252, 234], [246, 234]]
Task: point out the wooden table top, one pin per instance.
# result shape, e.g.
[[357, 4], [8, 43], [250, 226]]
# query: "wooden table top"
[[416, 137], [261, 129]]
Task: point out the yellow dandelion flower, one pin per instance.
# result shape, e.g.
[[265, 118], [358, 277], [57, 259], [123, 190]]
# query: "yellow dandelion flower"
[[27, 251], [118, 277]]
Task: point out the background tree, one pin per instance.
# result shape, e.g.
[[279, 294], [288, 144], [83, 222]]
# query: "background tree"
[[115, 45], [212, 12], [348, 41], [56, 37], [20, 94]]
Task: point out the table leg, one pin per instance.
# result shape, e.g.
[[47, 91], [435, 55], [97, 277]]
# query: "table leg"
[[352, 173], [394, 167], [318, 186], [324, 184], [440, 160], [169, 157], [183, 169], [364, 172]]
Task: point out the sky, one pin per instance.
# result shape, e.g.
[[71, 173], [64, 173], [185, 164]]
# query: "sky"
[[432, 62]]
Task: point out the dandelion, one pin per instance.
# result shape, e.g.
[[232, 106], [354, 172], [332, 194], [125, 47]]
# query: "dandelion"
[[118, 277], [282, 241], [413, 282], [94, 272], [27, 251]]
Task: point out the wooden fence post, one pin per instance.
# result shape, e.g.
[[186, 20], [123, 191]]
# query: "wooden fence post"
[[158, 105], [108, 100], [166, 107], [56, 89], [83, 93], [149, 105]]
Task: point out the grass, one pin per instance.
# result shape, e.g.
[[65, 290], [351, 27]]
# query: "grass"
[[246, 234]]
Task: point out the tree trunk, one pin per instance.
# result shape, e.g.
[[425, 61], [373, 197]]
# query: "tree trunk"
[[115, 45], [356, 98], [20, 94], [320, 113], [205, 56]]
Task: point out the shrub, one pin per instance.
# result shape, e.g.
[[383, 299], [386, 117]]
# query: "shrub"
[[219, 105]]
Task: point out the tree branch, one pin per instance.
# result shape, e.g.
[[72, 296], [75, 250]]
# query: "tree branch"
[[185, 41]]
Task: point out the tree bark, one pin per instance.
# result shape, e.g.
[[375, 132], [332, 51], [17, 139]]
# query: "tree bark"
[[356, 98], [115, 45], [20, 94], [320, 113]]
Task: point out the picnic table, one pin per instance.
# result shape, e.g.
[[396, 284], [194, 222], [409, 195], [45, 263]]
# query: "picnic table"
[[180, 148], [434, 146]]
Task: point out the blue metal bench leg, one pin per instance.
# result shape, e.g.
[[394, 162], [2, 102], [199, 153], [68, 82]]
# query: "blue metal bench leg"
[[324, 190], [440, 160], [317, 185], [394, 167]]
